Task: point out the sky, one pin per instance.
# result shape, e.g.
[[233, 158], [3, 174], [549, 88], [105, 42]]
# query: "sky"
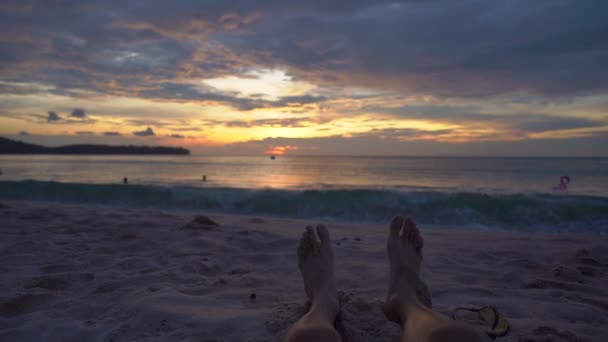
[[436, 77]]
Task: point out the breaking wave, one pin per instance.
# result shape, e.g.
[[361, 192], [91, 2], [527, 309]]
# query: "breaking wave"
[[525, 212]]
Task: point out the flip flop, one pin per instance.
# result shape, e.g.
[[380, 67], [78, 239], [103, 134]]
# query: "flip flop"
[[485, 318]]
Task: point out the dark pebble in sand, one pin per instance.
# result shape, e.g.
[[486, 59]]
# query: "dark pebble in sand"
[[357, 238], [587, 271], [338, 243], [201, 222], [238, 271], [257, 220], [202, 219], [588, 261], [557, 271], [205, 259], [252, 296], [582, 253], [128, 236]]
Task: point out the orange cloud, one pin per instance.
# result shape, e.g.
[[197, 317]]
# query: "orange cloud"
[[280, 150]]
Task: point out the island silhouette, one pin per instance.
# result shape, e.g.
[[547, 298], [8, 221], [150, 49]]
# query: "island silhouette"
[[8, 146]]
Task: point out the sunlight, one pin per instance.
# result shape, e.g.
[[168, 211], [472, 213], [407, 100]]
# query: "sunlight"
[[280, 150], [261, 84]]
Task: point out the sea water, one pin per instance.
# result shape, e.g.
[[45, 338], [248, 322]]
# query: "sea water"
[[503, 193]]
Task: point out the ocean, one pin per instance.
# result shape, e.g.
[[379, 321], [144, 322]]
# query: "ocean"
[[474, 192]]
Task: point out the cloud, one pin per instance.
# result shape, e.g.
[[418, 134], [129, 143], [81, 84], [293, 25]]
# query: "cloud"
[[111, 134], [373, 145], [148, 132], [78, 113], [189, 92], [546, 123], [291, 122], [444, 48], [522, 67], [85, 133], [176, 136], [23, 133], [466, 115], [52, 116]]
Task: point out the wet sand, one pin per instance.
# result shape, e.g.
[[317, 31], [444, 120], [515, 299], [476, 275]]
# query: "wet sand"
[[76, 273]]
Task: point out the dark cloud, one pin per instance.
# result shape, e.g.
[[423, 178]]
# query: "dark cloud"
[[527, 122], [23, 133], [77, 116], [178, 91], [79, 113], [176, 136], [445, 48], [471, 48], [148, 132], [373, 144], [52, 116], [546, 123], [85, 133], [111, 134], [292, 122]]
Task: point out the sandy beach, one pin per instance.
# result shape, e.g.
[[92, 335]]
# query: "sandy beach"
[[86, 273]]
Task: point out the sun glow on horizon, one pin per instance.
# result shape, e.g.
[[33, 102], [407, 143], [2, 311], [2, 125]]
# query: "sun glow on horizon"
[[280, 150]]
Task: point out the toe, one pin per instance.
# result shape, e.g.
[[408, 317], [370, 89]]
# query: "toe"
[[312, 235], [408, 227], [304, 248], [395, 227], [323, 234], [418, 242], [413, 234]]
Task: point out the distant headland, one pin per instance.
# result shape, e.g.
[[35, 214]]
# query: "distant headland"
[[8, 146]]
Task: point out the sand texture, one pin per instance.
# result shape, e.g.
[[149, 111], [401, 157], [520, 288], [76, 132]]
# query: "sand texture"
[[84, 273]]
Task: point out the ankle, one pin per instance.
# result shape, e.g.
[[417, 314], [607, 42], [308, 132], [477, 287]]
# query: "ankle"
[[414, 307], [325, 305], [400, 306]]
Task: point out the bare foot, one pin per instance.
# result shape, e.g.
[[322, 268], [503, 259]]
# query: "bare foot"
[[316, 262], [404, 248]]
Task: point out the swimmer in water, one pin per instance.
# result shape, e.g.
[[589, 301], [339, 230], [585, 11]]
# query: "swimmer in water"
[[563, 183]]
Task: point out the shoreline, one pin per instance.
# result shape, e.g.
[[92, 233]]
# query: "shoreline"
[[84, 272]]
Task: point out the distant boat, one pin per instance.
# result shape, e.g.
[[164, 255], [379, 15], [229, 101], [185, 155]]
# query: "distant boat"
[[273, 157]]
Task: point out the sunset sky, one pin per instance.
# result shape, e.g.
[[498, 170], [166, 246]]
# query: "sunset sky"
[[309, 77]]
